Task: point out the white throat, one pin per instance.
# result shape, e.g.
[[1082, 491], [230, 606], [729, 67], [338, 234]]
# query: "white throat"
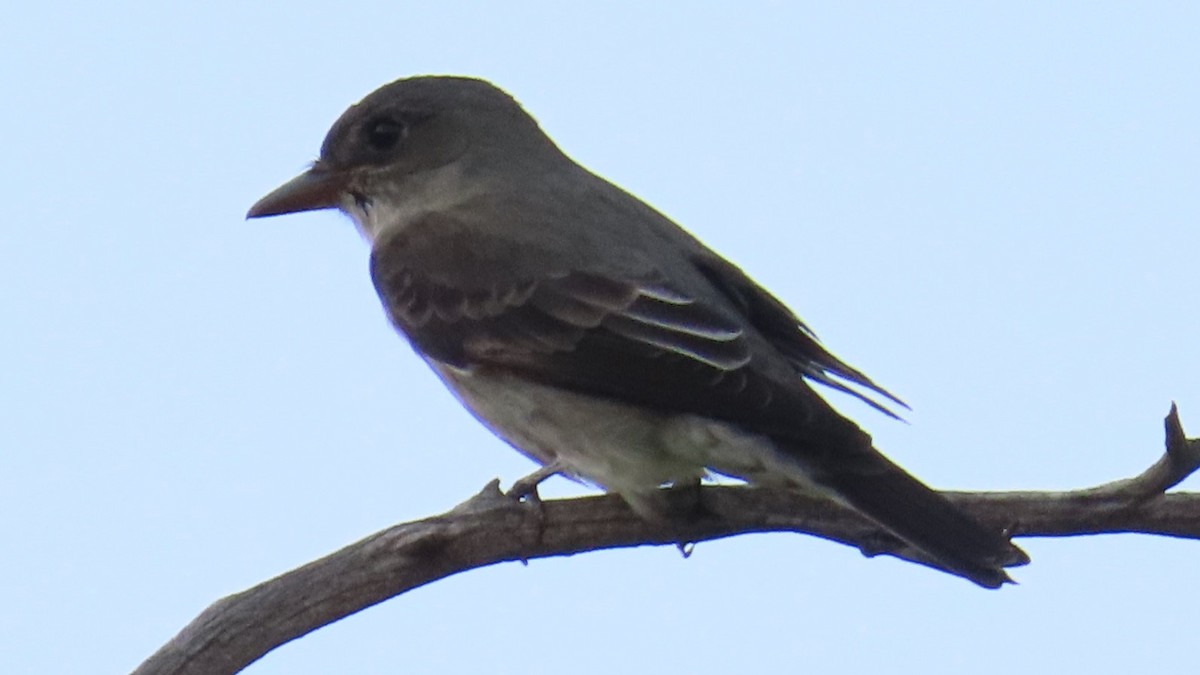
[[431, 191]]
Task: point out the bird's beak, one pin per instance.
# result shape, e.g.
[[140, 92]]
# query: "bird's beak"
[[312, 190]]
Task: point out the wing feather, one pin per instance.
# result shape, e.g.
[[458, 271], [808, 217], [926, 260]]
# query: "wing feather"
[[637, 339], [790, 336]]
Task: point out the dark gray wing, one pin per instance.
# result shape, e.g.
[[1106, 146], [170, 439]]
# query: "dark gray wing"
[[637, 340], [784, 330]]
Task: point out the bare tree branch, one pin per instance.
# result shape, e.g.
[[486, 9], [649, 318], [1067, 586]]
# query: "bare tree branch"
[[490, 528]]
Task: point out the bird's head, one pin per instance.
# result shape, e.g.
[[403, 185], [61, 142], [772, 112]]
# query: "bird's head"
[[410, 145]]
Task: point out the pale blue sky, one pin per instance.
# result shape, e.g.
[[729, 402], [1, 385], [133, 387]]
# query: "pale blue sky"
[[992, 209]]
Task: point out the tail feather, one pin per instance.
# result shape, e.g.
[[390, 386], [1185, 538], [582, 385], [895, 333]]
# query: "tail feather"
[[912, 511], [927, 520]]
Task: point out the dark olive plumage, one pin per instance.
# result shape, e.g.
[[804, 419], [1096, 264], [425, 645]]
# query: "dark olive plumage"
[[589, 330]]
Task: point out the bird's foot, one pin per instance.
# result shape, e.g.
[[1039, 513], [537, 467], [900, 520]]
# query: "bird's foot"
[[686, 501], [524, 491], [526, 488], [675, 506]]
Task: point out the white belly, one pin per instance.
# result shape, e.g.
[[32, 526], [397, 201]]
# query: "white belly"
[[622, 448]]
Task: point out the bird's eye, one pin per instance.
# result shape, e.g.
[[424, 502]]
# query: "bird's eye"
[[384, 133]]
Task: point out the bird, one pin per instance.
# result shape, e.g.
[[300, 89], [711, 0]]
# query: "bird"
[[593, 334]]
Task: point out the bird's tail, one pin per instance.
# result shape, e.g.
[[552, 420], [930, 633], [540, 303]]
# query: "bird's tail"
[[882, 491], [927, 520]]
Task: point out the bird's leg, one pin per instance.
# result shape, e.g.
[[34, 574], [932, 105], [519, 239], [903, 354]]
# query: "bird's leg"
[[526, 488], [677, 505], [688, 499]]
